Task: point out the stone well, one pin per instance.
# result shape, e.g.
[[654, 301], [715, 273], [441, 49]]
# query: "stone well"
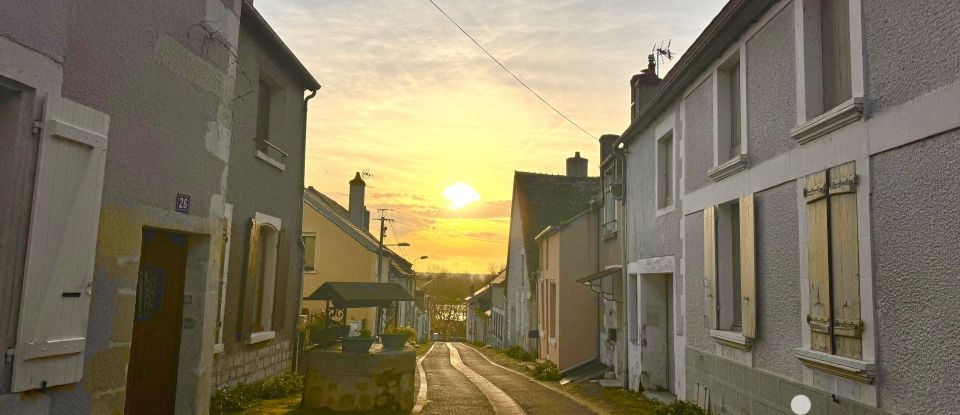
[[379, 381]]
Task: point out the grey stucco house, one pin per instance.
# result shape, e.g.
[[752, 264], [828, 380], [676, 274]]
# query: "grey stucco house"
[[133, 175], [790, 202]]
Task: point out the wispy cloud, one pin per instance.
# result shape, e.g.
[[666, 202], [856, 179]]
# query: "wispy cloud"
[[408, 97]]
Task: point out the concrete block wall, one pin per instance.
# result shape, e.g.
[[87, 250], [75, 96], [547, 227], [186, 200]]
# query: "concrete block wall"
[[252, 365], [739, 389]]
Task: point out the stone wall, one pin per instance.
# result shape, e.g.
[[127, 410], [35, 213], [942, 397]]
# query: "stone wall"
[[252, 365]]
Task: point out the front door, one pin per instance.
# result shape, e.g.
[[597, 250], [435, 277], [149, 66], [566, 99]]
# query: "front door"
[[152, 374]]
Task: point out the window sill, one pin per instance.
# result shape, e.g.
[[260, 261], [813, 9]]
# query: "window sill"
[[829, 121], [261, 336], [666, 209], [310, 272], [844, 367], [728, 168], [609, 233], [731, 339], [270, 160], [218, 348]]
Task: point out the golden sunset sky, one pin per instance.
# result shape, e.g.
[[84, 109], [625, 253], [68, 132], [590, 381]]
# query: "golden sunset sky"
[[411, 100]]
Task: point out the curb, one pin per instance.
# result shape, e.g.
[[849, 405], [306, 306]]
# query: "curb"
[[422, 393]]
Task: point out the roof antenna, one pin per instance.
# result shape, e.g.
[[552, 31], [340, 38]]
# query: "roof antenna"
[[662, 50]]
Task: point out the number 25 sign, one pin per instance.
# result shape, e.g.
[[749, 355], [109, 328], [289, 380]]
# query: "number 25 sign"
[[183, 203]]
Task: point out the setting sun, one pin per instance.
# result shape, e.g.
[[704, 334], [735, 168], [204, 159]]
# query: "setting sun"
[[460, 195]]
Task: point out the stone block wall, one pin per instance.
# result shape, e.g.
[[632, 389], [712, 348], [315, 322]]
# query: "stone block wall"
[[252, 364], [734, 388]]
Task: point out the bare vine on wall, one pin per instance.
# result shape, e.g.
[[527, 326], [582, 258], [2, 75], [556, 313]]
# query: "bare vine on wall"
[[201, 31]]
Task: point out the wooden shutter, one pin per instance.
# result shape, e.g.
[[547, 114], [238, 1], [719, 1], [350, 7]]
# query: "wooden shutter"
[[710, 263], [748, 269], [252, 281], [224, 270], [58, 271], [844, 261], [283, 281], [818, 260]]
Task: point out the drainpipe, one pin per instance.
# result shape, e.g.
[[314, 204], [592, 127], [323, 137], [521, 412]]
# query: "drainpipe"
[[303, 167], [624, 276]]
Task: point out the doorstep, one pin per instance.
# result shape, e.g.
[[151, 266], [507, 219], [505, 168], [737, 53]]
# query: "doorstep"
[[660, 396]]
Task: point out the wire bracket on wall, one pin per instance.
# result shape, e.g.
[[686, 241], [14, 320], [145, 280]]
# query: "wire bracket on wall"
[[215, 36]]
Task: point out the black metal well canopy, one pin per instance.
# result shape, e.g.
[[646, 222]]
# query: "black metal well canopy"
[[360, 294]]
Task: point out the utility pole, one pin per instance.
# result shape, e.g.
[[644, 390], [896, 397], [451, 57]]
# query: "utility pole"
[[383, 232]]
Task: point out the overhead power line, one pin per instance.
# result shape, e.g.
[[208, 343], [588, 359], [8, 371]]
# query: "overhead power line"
[[510, 72]]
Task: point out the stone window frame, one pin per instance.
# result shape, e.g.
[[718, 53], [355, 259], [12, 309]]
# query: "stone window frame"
[[724, 166], [813, 120], [268, 290], [666, 129]]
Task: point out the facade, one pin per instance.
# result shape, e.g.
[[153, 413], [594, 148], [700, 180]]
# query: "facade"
[[498, 311], [478, 315], [789, 190], [568, 309], [539, 200], [121, 167]]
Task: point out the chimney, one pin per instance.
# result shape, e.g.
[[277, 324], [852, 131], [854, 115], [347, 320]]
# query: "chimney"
[[576, 166], [643, 87], [606, 146], [357, 208]]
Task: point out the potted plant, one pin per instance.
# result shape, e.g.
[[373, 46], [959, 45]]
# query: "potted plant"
[[396, 337], [359, 344]]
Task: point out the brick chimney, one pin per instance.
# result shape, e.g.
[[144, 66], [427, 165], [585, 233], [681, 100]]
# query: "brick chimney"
[[643, 87], [358, 211], [606, 146], [576, 166]]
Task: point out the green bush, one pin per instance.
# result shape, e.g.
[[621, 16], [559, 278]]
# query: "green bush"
[[679, 408], [244, 396], [546, 370], [519, 353], [405, 330]]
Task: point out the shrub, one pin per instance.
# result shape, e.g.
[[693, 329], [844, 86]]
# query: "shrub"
[[679, 408], [364, 333], [546, 370], [405, 330], [519, 353], [244, 396]]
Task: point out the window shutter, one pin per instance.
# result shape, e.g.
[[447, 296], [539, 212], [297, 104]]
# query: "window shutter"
[[844, 261], [251, 282], [818, 259], [710, 263], [58, 271], [283, 279], [748, 269], [224, 269]]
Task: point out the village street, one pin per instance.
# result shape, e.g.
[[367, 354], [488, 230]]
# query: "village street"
[[462, 381]]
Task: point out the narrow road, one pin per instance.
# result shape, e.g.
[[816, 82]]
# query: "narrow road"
[[461, 381]]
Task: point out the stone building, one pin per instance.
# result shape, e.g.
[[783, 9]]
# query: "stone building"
[[790, 193], [131, 167]]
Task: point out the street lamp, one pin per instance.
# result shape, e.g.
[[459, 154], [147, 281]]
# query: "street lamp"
[[417, 259]]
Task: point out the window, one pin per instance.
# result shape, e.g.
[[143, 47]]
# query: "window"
[[609, 203], [830, 76], [728, 108], [833, 262], [553, 308], [309, 252], [263, 116], [262, 274], [665, 171], [730, 271]]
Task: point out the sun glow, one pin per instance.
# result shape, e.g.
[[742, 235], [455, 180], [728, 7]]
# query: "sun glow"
[[460, 194]]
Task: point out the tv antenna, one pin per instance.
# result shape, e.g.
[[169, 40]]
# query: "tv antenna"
[[661, 50]]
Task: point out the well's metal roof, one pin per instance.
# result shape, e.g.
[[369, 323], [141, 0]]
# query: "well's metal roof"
[[360, 294]]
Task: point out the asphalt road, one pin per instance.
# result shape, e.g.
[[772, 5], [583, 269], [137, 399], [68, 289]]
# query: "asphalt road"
[[461, 381]]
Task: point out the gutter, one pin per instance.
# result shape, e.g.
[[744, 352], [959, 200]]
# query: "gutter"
[[303, 167]]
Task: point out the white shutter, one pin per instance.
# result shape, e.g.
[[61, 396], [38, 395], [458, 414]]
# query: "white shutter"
[[58, 276]]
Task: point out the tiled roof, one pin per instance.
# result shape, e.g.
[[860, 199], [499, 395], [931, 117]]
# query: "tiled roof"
[[340, 216], [549, 199]]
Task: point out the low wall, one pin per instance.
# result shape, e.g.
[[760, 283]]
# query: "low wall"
[[353, 382]]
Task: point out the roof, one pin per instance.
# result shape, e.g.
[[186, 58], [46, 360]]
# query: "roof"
[[548, 199], [360, 294], [501, 277], [735, 18], [340, 216], [250, 16]]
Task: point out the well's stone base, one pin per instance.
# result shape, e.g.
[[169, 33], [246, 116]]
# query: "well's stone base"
[[352, 382]]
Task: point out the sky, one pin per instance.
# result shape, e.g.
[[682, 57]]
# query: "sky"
[[409, 100]]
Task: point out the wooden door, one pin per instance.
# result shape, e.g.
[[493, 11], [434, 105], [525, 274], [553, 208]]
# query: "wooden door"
[[152, 374]]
